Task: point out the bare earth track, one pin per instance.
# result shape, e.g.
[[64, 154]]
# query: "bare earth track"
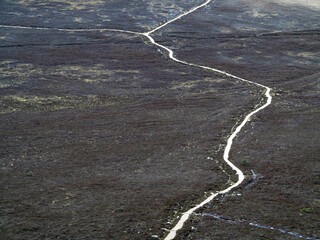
[[113, 141]]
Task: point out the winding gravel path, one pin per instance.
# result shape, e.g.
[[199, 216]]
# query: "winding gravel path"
[[185, 216]]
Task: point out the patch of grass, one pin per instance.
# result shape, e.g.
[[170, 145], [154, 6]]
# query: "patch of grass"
[[306, 210]]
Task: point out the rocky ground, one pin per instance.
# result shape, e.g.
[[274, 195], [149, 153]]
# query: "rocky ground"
[[103, 137]]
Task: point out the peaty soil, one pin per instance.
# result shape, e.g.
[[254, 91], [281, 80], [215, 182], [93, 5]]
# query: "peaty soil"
[[110, 140], [103, 137]]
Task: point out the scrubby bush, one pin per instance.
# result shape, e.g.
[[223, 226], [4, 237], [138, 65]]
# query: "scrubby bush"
[[244, 162]]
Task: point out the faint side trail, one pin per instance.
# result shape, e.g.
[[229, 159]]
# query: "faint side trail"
[[252, 224], [68, 29]]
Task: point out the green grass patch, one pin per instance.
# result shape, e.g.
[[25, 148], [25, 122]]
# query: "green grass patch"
[[306, 210]]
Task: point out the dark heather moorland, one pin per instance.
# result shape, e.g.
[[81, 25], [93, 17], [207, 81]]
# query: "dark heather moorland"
[[103, 137]]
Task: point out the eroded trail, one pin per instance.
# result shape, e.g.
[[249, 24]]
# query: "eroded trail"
[[227, 149]]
